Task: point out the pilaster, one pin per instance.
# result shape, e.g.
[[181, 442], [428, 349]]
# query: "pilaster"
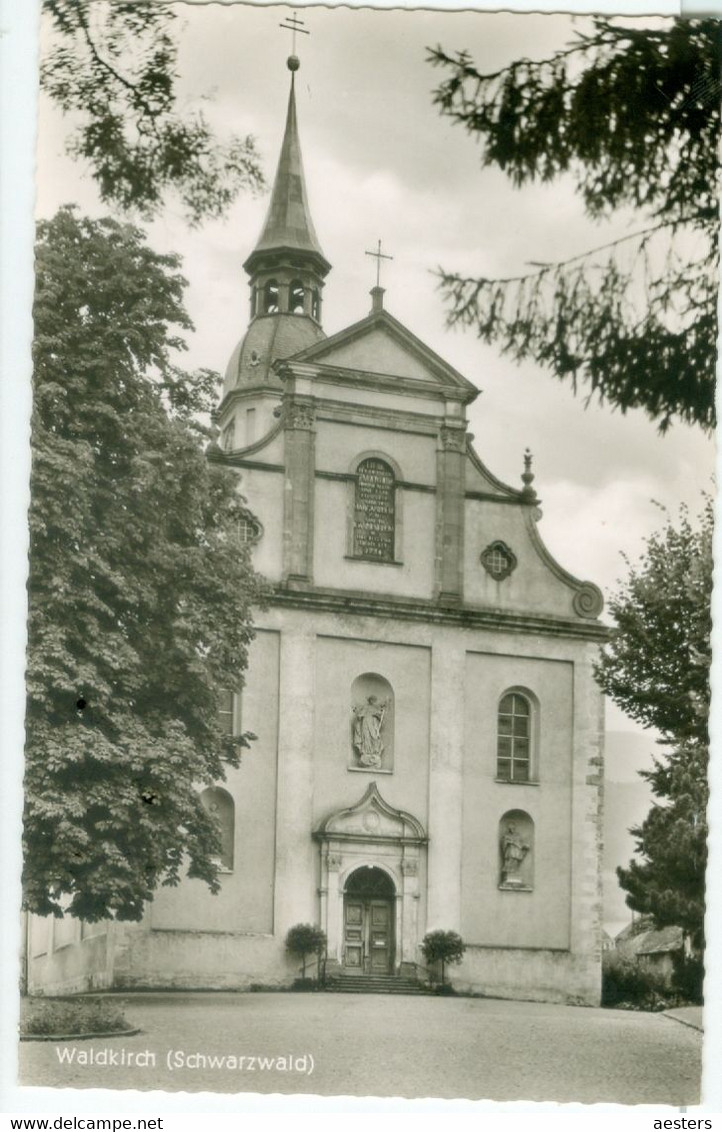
[[330, 898], [406, 950], [446, 786], [295, 900], [298, 497], [587, 810], [450, 475]]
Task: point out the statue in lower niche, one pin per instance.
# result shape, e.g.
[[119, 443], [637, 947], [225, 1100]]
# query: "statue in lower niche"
[[367, 724], [513, 852]]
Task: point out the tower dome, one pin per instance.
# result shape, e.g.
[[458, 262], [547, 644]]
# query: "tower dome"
[[266, 340]]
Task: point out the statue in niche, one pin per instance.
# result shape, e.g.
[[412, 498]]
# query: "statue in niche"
[[513, 852], [367, 740]]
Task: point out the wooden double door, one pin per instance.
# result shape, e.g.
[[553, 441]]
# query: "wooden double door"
[[368, 935]]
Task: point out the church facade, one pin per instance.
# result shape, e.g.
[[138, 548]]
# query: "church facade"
[[429, 732]]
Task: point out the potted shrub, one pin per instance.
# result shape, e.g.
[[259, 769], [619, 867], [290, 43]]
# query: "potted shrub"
[[443, 948], [303, 940]]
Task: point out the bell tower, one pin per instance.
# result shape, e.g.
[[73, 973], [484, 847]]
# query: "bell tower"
[[286, 272], [287, 267]]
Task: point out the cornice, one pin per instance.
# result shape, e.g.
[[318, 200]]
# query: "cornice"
[[368, 379], [489, 497], [358, 603], [286, 255], [350, 477], [365, 838], [245, 392], [237, 460], [398, 420]]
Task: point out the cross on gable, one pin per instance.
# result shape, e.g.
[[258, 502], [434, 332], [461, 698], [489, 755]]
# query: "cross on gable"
[[378, 255]]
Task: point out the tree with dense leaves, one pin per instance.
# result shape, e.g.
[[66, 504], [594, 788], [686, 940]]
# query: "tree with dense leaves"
[[632, 113], [668, 881], [656, 668], [139, 588], [442, 947], [113, 67], [304, 940]]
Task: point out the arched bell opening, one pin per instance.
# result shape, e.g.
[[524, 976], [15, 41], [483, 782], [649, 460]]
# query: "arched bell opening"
[[296, 297], [368, 922], [271, 297]]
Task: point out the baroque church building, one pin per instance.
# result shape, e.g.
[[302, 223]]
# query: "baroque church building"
[[429, 732]]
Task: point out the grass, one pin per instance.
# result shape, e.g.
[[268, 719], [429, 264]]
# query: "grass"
[[70, 1016]]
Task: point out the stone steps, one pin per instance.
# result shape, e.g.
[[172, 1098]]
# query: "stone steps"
[[374, 984]]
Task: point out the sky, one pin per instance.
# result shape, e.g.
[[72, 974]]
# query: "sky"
[[381, 163]]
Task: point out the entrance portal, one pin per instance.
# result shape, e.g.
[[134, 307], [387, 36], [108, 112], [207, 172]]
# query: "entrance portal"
[[368, 918]]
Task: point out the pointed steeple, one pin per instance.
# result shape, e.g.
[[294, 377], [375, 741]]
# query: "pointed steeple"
[[288, 226], [287, 270]]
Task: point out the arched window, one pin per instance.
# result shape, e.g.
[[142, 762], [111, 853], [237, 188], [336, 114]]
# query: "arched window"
[[375, 510], [249, 529], [516, 851], [226, 705], [372, 724], [228, 437], [270, 297], [315, 305], [219, 804], [296, 293], [514, 738], [250, 424]]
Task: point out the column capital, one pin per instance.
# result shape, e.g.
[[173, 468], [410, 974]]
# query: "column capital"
[[299, 415], [453, 439]]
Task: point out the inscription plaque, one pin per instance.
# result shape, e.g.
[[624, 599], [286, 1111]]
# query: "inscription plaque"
[[374, 513]]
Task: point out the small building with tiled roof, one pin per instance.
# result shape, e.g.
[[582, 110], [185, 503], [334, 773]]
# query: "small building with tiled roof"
[[654, 948]]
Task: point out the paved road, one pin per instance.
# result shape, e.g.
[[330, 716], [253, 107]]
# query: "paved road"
[[385, 1046]]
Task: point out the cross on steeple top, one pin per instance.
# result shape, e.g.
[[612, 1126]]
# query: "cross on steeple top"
[[294, 25], [378, 255]]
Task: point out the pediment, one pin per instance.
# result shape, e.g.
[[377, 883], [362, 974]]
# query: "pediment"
[[371, 819], [381, 345]]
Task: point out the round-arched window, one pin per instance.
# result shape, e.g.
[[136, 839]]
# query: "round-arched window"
[[296, 294], [270, 297], [513, 744], [249, 529], [219, 804]]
